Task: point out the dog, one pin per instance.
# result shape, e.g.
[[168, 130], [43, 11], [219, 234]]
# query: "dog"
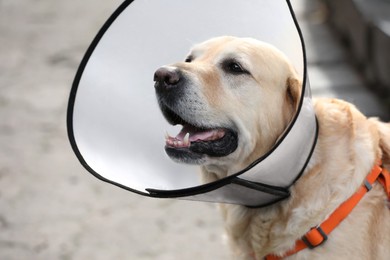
[[234, 98]]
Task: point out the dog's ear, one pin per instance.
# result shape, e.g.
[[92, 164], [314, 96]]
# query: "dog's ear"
[[294, 87], [384, 142]]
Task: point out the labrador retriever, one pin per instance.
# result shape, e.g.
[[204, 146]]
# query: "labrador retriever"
[[234, 98]]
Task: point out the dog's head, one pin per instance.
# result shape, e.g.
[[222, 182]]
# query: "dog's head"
[[233, 96]]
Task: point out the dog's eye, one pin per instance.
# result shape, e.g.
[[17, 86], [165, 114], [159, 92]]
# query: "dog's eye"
[[235, 67], [188, 59]]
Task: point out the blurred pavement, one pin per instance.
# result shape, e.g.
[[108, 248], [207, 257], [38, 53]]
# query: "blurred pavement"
[[50, 207]]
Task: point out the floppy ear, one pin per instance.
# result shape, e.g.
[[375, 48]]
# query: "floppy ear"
[[384, 142], [294, 87]]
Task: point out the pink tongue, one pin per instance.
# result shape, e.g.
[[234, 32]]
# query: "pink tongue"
[[197, 134]]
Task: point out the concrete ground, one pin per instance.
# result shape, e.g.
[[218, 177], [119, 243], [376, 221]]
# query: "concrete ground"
[[50, 207]]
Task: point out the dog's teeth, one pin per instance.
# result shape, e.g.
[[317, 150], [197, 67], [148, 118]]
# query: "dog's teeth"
[[166, 136], [186, 140], [221, 134]]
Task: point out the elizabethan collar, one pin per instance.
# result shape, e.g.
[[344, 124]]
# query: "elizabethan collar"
[[115, 125]]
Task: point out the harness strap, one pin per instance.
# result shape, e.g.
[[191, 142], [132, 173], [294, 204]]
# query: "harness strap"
[[384, 179], [318, 235]]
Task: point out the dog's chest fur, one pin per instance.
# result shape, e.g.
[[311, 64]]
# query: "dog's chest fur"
[[348, 145]]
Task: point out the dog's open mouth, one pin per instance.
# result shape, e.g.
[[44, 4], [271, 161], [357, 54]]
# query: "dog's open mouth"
[[190, 134], [194, 142]]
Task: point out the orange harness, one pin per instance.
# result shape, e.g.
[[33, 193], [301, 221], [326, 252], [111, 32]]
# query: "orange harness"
[[318, 235]]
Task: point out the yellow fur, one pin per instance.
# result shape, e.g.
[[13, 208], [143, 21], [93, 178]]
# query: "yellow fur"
[[261, 106]]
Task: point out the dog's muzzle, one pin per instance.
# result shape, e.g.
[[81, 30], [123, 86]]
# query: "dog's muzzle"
[[196, 140]]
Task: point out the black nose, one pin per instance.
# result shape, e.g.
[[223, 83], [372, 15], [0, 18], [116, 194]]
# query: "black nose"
[[166, 77]]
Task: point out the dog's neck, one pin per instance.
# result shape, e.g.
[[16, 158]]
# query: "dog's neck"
[[214, 172], [327, 181]]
